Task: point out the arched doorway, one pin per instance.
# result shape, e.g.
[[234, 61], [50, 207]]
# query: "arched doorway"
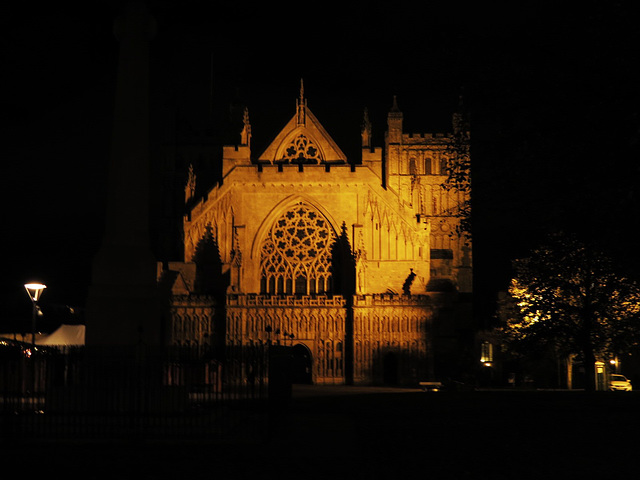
[[302, 363], [390, 369]]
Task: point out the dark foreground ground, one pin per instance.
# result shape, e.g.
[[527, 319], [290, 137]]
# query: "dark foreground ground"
[[377, 433]]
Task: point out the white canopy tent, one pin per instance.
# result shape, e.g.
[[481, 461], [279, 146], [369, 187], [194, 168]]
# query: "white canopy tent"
[[70, 335]]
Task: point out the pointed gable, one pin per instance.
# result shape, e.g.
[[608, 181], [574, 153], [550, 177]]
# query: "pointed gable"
[[303, 140]]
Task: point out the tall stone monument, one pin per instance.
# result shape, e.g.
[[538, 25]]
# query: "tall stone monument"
[[122, 306]]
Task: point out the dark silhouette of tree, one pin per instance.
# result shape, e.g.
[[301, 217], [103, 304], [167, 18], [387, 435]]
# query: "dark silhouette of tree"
[[343, 266], [458, 170], [568, 296], [343, 271], [209, 280]]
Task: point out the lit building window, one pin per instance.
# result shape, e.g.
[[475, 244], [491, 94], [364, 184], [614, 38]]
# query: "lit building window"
[[296, 253], [486, 353]]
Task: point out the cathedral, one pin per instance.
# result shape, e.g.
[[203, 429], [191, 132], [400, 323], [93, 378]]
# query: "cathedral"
[[361, 266]]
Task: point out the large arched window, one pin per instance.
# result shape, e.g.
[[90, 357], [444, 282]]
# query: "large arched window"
[[296, 253]]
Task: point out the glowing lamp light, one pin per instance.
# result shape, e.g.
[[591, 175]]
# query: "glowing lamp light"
[[35, 292]]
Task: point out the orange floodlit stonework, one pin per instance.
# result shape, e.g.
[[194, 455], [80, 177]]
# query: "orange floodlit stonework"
[[388, 313]]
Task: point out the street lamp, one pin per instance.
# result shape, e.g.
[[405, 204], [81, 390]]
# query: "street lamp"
[[35, 292]]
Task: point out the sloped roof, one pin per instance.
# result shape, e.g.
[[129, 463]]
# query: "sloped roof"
[[303, 139]]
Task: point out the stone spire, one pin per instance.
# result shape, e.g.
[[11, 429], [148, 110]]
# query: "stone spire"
[[245, 135], [394, 123], [394, 106], [301, 105], [190, 186], [365, 132]]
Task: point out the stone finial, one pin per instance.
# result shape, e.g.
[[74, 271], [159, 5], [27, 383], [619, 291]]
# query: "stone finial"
[[394, 106], [394, 123], [190, 187], [301, 105], [245, 135], [236, 253], [366, 130]]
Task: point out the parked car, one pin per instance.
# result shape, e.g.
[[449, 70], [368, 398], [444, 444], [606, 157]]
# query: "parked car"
[[619, 382]]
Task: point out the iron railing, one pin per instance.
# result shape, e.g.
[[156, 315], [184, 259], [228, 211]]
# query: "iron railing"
[[163, 393]]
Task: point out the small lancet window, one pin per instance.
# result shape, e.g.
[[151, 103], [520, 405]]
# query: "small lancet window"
[[412, 167], [427, 166]]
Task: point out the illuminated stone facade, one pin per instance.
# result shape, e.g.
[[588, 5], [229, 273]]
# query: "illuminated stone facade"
[[278, 220]]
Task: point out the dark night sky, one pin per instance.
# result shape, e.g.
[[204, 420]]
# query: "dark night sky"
[[552, 93]]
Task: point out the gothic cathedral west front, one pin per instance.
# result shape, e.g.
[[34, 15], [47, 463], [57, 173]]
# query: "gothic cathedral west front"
[[362, 266]]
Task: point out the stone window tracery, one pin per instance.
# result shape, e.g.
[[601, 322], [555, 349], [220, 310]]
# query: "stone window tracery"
[[296, 253], [302, 150]]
